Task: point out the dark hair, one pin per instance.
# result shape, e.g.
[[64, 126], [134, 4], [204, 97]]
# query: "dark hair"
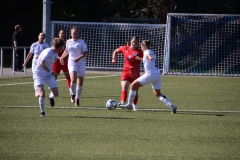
[[135, 37], [147, 43], [57, 42], [61, 30]]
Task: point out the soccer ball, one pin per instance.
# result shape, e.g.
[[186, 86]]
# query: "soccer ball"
[[111, 104]]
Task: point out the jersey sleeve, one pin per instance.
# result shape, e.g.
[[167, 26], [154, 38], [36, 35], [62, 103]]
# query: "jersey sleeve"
[[84, 46], [32, 48]]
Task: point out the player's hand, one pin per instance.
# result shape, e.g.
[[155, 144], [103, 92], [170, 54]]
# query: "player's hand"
[[61, 61], [114, 61], [76, 60], [138, 58], [23, 65], [54, 74]]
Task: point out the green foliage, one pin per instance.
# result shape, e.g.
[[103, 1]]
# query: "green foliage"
[[206, 126]]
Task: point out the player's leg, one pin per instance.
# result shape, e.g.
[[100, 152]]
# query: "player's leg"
[[67, 76], [124, 85], [135, 73], [40, 87], [156, 86], [73, 76], [132, 94], [80, 73], [52, 84]]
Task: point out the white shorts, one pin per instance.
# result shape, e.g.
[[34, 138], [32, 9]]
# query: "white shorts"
[[49, 80], [155, 79], [79, 68], [34, 64]]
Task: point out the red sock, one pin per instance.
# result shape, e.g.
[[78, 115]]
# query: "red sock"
[[135, 100], [68, 81], [123, 96]]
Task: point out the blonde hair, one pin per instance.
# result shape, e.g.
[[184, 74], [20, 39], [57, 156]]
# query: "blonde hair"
[[147, 43]]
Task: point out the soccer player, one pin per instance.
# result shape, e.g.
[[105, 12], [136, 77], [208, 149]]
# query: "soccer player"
[[43, 73], [152, 75], [77, 50], [131, 68], [35, 49], [57, 66]]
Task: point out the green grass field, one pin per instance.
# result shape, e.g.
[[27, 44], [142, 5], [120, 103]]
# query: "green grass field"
[[207, 125]]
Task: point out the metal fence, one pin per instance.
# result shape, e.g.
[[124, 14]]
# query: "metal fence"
[[7, 50]]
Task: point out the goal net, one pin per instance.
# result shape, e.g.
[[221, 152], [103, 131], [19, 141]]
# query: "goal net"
[[103, 38], [202, 44]]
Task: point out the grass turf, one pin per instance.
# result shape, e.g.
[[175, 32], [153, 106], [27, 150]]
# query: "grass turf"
[[206, 126]]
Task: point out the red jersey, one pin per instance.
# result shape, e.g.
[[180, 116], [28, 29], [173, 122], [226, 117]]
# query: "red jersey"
[[65, 59], [129, 55]]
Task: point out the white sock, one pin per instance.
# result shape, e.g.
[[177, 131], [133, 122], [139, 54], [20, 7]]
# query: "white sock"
[[79, 91], [165, 100], [41, 104], [51, 95], [73, 88], [131, 96]]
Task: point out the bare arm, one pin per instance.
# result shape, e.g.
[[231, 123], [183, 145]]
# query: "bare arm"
[[115, 52], [42, 64], [150, 57], [65, 53], [82, 56], [27, 59]]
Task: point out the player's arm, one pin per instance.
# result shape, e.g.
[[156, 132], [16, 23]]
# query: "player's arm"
[[149, 56], [81, 56], [65, 53], [42, 64], [27, 59], [114, 55]]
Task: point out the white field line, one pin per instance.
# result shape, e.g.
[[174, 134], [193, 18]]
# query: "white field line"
[[14, 84], [103, 108]]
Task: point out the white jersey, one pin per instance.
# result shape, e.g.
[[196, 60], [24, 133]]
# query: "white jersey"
[[150, 66], [75, 49], [36, 48], [49, 57]]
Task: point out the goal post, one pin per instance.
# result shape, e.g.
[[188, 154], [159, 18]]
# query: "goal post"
[[103, 38], [202, 44]]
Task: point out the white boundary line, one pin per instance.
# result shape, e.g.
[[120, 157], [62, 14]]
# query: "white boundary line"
[[102, 108], [13, 84]]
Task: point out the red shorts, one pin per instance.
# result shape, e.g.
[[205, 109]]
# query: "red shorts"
[[57, 67], [130, 74]]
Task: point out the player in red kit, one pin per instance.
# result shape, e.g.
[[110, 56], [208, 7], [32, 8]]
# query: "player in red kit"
[[57, 66], [131, 68]]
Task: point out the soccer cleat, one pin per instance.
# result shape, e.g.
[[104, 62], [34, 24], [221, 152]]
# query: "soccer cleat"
[[121, 103], [127, 106], [52, 103], [73, 98], [77, 102], [174, 109], [135, 107], [42, 114]]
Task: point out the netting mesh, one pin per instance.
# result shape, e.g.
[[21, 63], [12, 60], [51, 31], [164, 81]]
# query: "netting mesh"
[[204, 44], [103, 38]]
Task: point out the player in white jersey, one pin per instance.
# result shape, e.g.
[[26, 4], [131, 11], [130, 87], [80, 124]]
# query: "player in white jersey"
[[43, 73], [35, 49], [152, 75], [77, 50]]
